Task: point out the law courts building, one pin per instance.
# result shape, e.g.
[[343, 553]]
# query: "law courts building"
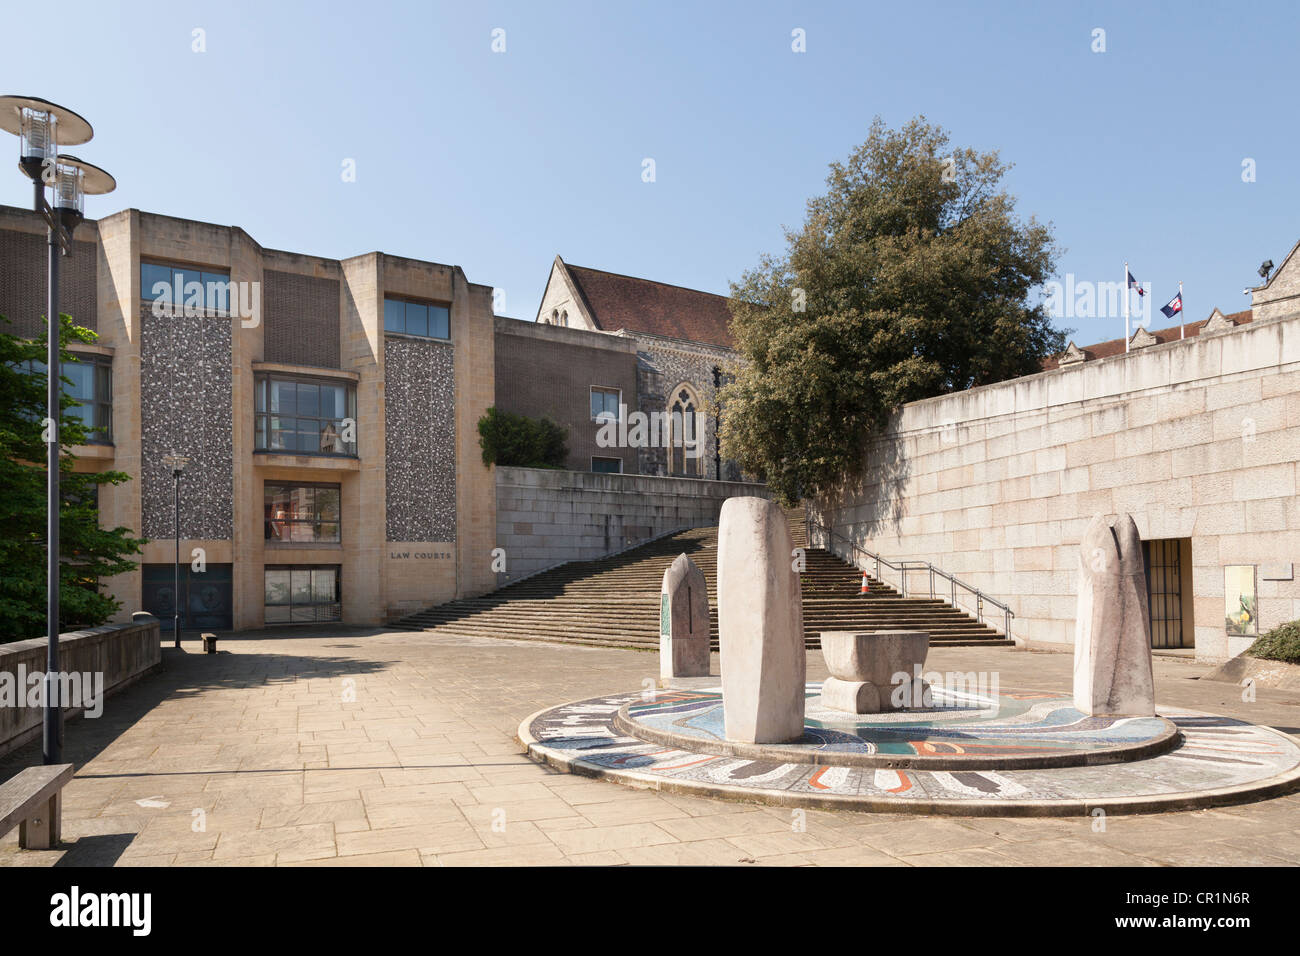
[[334, 470]]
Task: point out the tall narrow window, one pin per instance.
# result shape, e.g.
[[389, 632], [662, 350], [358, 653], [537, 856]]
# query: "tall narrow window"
[[684, 446]]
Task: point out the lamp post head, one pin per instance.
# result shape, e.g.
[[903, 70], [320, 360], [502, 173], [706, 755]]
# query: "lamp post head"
[[176, 463], [74, 180], [41, 127]]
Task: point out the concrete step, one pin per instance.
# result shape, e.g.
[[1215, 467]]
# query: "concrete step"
[[614, 601]]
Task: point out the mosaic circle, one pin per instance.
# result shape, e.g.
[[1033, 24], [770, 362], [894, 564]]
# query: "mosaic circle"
[[961, 731], [1215, 761]]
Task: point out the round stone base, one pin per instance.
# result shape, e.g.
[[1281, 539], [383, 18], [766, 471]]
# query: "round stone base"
[[1179, 760], [956, 732]]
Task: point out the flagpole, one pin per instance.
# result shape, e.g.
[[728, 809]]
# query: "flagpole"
[[1182, 310], [1126, 298]]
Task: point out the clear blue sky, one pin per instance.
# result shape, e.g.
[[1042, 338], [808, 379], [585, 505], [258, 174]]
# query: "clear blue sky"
[[497, 162]]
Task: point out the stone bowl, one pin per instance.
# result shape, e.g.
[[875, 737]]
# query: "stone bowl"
[[874, 656]]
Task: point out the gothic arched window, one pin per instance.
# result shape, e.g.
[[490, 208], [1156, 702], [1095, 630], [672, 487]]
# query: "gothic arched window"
[[685, 440]]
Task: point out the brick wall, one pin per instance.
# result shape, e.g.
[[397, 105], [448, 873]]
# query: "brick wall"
[[23, 268], [302, 319], [550, 371]]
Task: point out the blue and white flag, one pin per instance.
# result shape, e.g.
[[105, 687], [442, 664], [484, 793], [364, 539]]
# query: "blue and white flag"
[[1174, 307]]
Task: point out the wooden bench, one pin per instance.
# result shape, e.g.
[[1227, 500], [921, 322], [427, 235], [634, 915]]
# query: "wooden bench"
[[34, 801]]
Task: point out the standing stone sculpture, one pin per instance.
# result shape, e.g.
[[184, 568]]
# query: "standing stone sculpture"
[[760, 618], [683, 621], [1112, 637]]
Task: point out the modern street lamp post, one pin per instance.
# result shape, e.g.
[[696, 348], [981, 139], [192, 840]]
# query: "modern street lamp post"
[[177, 464], [42, 127]]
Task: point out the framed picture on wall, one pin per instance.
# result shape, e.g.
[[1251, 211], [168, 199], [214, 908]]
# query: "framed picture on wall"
[[1240, 605]]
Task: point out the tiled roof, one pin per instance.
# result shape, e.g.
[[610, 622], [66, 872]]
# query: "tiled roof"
[[656, 308], [1116, 346]]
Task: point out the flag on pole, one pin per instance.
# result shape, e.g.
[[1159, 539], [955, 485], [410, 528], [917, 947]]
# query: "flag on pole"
[[1174, 307], [1133, 283]]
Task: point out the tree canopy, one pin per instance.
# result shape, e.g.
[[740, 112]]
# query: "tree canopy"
[[910, 277], [86, 551]]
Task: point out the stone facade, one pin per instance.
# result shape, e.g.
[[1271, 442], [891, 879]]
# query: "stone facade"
[[546, 517], [1197, 439], [1280, 295], [688, 351], [664, 367], [189, 383]]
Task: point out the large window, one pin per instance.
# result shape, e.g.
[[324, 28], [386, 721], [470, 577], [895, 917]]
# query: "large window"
[[92, 386], [417, 318], [197, 286], [300, 513], [300, 595], [604, 403], [607, 466], [305, 415]]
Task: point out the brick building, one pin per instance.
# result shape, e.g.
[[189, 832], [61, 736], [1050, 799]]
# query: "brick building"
[[328, 408], [683, 351]]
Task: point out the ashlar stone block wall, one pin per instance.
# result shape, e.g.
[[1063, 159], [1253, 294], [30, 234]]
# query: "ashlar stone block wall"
[[546, 517], [1197, 439]]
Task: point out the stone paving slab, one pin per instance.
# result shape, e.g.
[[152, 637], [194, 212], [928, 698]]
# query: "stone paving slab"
[[338, 746]]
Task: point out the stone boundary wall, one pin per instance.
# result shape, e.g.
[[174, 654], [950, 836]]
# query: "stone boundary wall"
[[123, 653], [1197, 439], [546, 517]]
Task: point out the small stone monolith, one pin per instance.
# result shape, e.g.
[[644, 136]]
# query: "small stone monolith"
[[760, 619], [683, 621], [1112, 636]]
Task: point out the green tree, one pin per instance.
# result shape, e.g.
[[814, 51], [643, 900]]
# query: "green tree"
[[910, 277], [517, 440], [86, 551]]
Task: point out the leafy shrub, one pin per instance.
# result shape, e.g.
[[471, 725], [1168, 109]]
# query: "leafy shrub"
[[518, 441]]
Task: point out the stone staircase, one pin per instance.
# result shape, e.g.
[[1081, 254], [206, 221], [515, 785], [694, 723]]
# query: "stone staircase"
[[614, 601]]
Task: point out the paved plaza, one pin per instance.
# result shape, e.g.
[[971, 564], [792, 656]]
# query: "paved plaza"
[[347, 747]]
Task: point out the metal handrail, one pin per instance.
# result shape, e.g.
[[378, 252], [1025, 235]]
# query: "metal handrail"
[[902, 567]]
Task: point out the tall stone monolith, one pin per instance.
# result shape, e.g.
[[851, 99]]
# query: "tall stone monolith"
[[683, 621], [760, 618], [1112, 635]]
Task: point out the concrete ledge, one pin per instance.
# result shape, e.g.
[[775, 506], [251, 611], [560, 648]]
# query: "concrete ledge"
[[122, 653]]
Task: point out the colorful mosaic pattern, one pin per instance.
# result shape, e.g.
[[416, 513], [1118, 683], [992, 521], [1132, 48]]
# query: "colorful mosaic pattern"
[[960, 726], [1219, 760]]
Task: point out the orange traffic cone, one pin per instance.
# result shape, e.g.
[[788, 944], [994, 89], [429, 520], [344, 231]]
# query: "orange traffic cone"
[[864, 589]]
